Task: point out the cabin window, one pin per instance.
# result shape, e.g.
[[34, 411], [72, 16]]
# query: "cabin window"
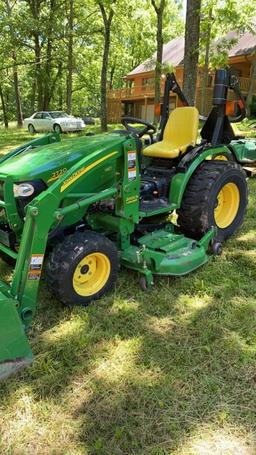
[[130, 83], [148, 82]]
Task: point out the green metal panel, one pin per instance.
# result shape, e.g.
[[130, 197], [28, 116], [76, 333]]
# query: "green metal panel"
[[244, 150], [50, 138], [48, 162], [127, 205]]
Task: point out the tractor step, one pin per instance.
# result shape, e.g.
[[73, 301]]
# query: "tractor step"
[[15, 352], [150, 205]]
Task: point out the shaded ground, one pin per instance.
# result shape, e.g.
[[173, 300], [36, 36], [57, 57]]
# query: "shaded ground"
[[171, 372]]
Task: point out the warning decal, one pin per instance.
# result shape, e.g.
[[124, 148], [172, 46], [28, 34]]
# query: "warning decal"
[[34, 275], [131, 165], [131, 174], [35, 266]]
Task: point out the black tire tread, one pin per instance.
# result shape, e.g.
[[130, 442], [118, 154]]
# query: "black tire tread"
[[64, 254], [191, 215]]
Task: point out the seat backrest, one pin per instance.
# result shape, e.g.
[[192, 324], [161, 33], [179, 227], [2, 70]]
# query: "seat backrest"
[[182, 126]]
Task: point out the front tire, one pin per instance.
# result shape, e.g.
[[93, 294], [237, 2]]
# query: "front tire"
[[82, 268], [31, 129], [216, 195]]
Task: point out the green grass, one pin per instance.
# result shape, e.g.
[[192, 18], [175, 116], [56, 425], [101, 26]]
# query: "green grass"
[[169, 372]]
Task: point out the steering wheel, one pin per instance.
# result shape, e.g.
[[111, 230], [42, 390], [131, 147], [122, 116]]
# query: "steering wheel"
[[139, 132]]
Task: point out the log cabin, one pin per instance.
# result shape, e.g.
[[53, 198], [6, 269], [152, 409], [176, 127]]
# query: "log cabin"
[[136, 98]]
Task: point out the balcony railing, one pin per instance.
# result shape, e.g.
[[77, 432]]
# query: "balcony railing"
[[147, 91], [136, 92], [245, 82]]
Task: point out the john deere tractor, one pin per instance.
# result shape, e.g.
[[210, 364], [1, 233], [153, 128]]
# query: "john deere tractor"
[[84, 206]]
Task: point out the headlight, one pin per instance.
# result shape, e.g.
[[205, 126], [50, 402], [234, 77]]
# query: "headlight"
[[23, 190]]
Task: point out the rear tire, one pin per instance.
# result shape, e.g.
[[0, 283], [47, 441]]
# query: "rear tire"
[[216, 195], [31, 129], [82, 268]]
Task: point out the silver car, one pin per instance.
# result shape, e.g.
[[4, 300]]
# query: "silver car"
[[57, 121]]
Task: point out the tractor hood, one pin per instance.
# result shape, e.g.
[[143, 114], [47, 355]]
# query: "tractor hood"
[[44, 161]]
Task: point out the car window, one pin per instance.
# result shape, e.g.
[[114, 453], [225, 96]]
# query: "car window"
[[57, 114], [38, 115], [45, 115]]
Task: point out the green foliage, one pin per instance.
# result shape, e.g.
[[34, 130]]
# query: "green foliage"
[[221, 18], [41, 43]]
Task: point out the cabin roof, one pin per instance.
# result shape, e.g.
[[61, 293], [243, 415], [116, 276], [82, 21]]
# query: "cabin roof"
[[173, 51], [245, 45]]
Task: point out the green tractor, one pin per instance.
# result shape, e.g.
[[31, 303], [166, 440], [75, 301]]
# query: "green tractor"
[[86, 205]]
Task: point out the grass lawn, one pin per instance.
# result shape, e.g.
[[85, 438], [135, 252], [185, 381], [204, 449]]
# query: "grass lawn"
[[169, 372]]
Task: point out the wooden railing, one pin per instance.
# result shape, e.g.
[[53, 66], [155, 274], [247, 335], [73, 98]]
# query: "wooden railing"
[[244, 84], [133, 92], [149, 90]]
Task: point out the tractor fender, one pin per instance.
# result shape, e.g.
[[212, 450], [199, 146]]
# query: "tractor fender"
[[180, 180]]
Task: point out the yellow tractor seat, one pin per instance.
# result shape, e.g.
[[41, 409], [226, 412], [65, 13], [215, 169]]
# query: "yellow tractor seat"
[[180, 132]]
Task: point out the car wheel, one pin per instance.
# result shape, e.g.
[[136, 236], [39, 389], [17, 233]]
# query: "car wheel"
[[57, 128], [31, 129]]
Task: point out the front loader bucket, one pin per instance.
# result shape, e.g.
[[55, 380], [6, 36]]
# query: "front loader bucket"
[[15, 352]]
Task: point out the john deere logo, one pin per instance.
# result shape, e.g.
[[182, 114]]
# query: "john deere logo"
[[70, 180]]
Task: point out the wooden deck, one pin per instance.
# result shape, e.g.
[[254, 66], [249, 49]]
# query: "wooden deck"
[[141, 92]]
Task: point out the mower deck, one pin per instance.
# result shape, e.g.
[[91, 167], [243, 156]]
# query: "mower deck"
[[165, 253]]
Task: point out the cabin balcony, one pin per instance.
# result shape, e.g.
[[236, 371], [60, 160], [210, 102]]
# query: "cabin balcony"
[[136, 92], [147, 91]]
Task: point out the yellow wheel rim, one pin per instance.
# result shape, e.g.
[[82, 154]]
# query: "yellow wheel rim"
[[91, 274], [220, 157], [228, 201]]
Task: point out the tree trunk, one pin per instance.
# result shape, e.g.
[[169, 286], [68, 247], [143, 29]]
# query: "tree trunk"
[[191, 55], [39, 81], [35, 6], [33, 96], [159, 53], [111, 76], [251, 87], [206, 65], [15, 71], [17, 93], [103, 87], [6, 124], [107, 20], [48, 64], [70, 56]]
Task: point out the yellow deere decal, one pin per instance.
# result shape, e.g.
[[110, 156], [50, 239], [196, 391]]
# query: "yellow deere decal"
[[82, 171], [57, 174]]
